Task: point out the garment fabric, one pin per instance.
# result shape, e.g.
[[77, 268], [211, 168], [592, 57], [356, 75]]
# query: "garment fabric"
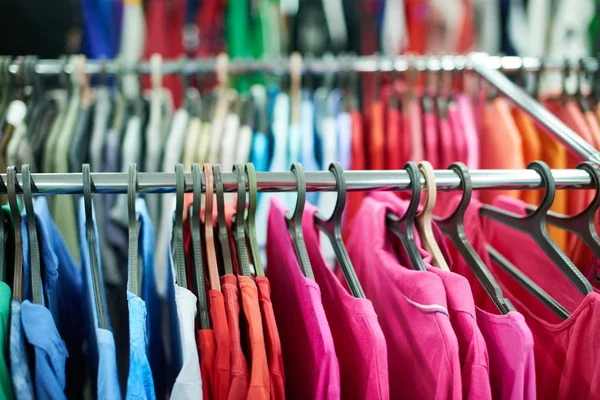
[[458, 133], [188, 384], [309, 151], [309, 357], [430, 133], [430, 366], [20, 373], [140, 384], [532, 149], [259, 387], [359, 162], [6, 390], [376, 136], [272, 339], [353, 324], [222, 366], [240, 375], [393, 157]]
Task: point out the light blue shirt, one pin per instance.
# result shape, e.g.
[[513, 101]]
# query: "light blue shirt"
[[309, 152], [19, 366]]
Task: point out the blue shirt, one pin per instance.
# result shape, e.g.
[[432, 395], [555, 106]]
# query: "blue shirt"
[[309, 158], [164, 349], [62, 292], [100, 342], [49, 349], [140, 384], [19, 366]]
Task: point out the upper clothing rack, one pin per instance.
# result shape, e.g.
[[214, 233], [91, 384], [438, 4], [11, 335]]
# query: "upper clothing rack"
[[487, 67]]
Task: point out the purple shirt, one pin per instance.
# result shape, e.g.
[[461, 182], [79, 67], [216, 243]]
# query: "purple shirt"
[[353, 323], [423, 357], [309, 358]]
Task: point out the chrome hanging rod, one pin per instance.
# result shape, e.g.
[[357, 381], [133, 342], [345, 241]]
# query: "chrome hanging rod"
[[317, 65], [446, 180]]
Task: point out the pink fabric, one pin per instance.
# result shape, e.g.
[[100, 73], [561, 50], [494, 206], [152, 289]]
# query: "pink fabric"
[[469, 129], [446, 146], [411, 307], [567, 366], [353, 323], [431, 140], [458, 134], [508, 340], [309, 358], [416, 130]]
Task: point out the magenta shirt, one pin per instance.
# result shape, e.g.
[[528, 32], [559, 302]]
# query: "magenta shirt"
[[353, 323], [508, 339], [411, 307], [309, 357]]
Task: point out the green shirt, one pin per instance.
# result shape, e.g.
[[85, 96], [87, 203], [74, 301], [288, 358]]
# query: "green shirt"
[[5, 382]]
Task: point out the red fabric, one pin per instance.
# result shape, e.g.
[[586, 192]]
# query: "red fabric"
[[272, 341], [393, 156], [222, 371], [458, 133], [205, 340], [376, 136], [358, 163], [239, 366], [260, 387], [446, 148], [431, 140], [417, 18], [414, 134]]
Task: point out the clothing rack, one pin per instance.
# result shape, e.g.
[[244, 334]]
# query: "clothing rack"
[[161, 182]]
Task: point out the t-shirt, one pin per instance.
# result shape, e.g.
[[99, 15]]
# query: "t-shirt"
[[188, 384], [259, 366], [353, 324], [239, 366], [272, 340], [222, 366], [309, 357], [6, 391], [423, 357], [205, 340]]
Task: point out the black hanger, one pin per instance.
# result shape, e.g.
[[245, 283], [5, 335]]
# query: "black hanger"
[[581, 98], [566, 73], [250, 220], [88, 187], [531, 286], [11, 178], [202, 316], [332, 227], [221, 223], [3, 236], [403, 227], [453, 227], [34, 248], [239, 221], [134, 272], [534, 225], [535, 90], [581, 224], [178, 227], [294, 222]]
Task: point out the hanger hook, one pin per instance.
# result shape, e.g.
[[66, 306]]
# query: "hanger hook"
[[13, 184], [178, 228], [538, 77], [566, 74], [250, 218], [415, 183], [34, 251], [548, 181], [88, 188], [132, 187], [296, 218], [594, 171], [467, 190], [340, 184], [428, 172], [240, 235]]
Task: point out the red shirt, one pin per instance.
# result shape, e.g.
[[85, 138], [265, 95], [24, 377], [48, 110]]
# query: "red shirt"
[[205, 340], [273, 343], [222, 370], [393, 157], [376, 137]]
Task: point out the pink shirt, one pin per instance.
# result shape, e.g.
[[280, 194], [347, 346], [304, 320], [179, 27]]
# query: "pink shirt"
[[458, 134], [446, 147], [423, 358], [309, 358], [416, 130], [567, 366], [431, 140], [353, 323], [508, 339], [469, 129]]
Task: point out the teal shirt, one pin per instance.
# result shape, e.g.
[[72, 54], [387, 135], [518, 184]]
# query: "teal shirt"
[[5, 382]]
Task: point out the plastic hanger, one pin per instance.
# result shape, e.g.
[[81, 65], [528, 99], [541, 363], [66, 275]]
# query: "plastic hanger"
[[403, 227], [295, 86], [251, 219], [134, 272], [566, 73], [88, 187], [581, 98], [221, 223], [17, 288], [294, 222], [178, 227], [202, 316], [531, 286], [534, 225], [211, 254], [332, 227], [34, 247], [581, 224], [3, 236], [239, 221], [425, 218], [453, 227]]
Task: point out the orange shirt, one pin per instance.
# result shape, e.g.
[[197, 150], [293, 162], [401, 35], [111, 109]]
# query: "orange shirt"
[[260, 386], [205, 340], [222, 370], [532, 149], [376, 136], [501, 146], [239, 366], [273, 343]]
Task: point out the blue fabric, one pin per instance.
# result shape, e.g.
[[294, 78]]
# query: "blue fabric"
[[100, 36], [49, 349], [309, 159], [61, 290], [165, 360], [140, 384], [19, 362], [100, 342]]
